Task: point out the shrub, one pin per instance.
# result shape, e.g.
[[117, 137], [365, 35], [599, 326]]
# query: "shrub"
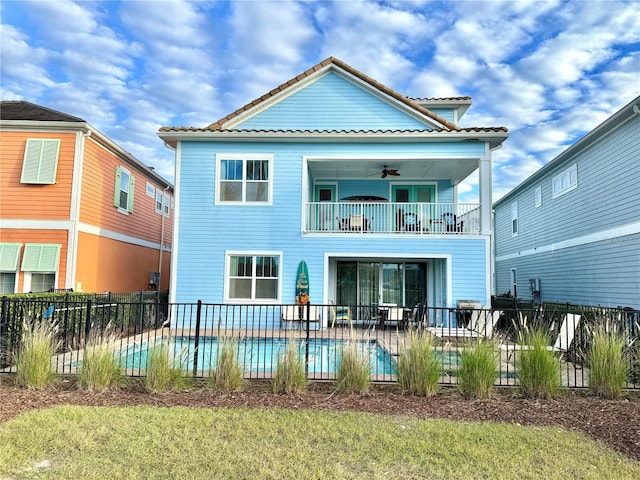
[[607, 364], [353, 374], [161, 373], [228, 374], [100, 368], [419, 368], [33, 362], [290, 376], [538, 367], [478, 370]]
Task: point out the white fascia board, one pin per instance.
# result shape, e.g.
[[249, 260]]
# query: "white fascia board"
[[37, 125]]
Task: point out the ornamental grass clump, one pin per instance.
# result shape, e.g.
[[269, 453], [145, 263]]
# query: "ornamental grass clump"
[[227, 376], [290, 374], [33, 362], [419, 367], [538, 367], [353, 374], [478, 370], [162, 372], [608, 365], [101, 369]]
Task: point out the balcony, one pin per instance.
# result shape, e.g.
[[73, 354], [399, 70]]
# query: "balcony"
[[358, 218]]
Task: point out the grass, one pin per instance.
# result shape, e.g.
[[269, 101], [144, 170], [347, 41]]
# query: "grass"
[[167, 443], [353, 373], [538, 368], [607, 364], [162, 375], [33, 362], [100, 369], [290, 374], [478, 370], [228, 373], [419, 368]]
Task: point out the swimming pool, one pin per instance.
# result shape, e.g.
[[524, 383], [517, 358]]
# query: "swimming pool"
[[259, 354]]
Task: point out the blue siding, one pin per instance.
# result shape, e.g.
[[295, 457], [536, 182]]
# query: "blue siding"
[[446, 113], [332, 103]]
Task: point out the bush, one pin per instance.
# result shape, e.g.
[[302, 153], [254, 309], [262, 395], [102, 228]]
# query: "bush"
[[161, 373], [290, 376], [478, 370], [37, 347], [354, 370], [228, 374], [419, 368], [100, 368], [538, 367], [607, 364]]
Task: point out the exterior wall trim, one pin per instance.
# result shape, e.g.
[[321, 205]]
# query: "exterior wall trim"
[[103, 232], [630, 229]]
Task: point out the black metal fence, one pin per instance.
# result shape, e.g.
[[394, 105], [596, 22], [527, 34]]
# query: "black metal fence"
[[193, 333]]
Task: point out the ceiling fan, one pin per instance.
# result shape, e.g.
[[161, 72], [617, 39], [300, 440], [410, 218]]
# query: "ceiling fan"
[[385, 171]]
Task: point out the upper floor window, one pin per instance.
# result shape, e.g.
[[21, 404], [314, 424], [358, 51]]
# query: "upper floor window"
[[125, 184], [40, 161], [253, 277], [565, 181], [162, 202], [514, 219], [150, 190], [244, 179]]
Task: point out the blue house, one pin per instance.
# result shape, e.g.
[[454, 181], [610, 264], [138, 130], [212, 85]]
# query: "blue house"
[[571, 231], [337, 170]]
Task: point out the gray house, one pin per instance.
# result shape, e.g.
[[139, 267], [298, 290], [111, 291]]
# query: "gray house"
[[571, 231]]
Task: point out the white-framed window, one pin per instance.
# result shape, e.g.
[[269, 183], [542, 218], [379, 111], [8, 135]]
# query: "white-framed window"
[[151, 190], [125, 187], [162, 202], [40, 161], [514, 282], [9, 256], [40, 265], [253, 277], [514, 219], [538, 196], [565, 181], [244, 179]]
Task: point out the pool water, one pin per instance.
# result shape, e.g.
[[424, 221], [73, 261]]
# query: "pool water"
[[261, 354]]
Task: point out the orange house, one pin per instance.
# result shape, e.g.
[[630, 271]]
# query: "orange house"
[[76, 210]]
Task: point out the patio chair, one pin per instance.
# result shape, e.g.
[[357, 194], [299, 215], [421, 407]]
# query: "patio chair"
[[296, 316], [562, 343], [482, 323], [341, 314]]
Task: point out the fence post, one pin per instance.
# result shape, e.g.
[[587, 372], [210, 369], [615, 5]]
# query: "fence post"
[[87, 325], [141, 307], [196, 345], [306, 347], [4, 331]]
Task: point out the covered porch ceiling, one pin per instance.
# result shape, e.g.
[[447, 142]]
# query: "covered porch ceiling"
[[455, 169]]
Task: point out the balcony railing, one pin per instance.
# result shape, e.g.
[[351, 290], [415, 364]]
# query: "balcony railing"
[[390, 217]]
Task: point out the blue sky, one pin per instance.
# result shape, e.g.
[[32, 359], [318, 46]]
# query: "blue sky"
[[549, 71]]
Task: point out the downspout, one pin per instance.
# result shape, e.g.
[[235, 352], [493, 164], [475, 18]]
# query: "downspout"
[[162, 237], [492, 237]]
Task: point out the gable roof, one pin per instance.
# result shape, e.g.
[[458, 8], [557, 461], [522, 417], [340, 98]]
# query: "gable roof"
[[22, 110]]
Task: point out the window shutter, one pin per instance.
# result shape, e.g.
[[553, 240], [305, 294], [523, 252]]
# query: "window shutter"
[[132, 184], [9, 254], [40, 257], [40, 161], [116, 194]]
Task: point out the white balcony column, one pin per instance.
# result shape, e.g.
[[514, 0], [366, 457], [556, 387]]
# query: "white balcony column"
[[484, 188]]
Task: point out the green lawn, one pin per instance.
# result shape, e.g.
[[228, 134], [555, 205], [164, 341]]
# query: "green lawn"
[[183, 443]]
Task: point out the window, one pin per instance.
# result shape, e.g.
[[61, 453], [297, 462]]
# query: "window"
[[538, 196], [125, 186], [514, 282], [40, 264], [253, 277], [243, 179], [40, 161], [566, 181], [9, 255], [162, 202], [514, 219], [151, 190]]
